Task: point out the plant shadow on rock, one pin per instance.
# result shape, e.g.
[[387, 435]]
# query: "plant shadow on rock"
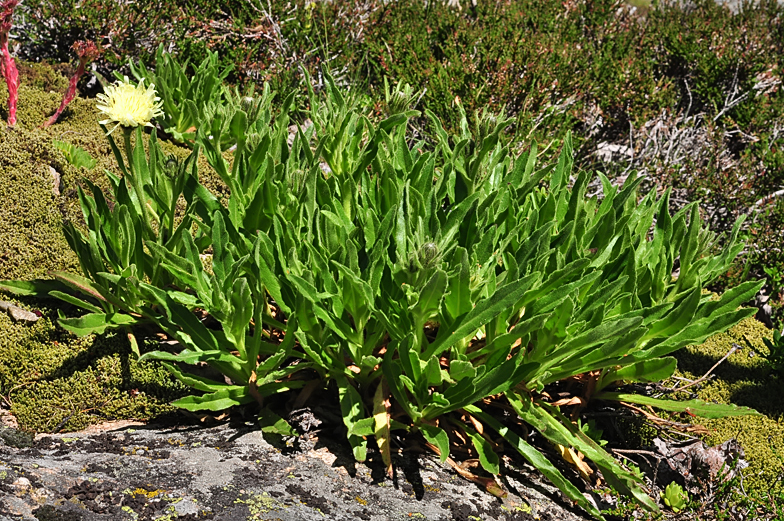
[[320, 426], [525, 479]]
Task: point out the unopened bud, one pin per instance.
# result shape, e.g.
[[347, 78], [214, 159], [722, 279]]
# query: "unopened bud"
[[172, 167], [246, 103], [428, 254]]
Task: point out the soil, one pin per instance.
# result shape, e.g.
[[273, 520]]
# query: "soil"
[[164, 471]]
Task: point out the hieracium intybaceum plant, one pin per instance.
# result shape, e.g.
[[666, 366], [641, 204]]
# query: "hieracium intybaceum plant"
[[429, 285]]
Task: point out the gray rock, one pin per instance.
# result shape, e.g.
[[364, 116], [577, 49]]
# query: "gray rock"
[[232, 473]]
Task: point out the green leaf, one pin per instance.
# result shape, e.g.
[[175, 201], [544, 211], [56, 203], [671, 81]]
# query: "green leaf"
[[458, 299], [221, 258], [459, 369], [264, 261], [401, 251], [96, 323], [493, 381], [694, 333], [191, 331], [74, 301], [363, 427], [271, 423], [35, 288], [538, 460], [216, 401], [487, 309], [241, 302], [87, 287], [584, 345], [693, 407], [430, 298], [190, 357], [438, 437], [76, 156], [182, 269], [678, 318], [353, 411], [432, 372], [653, 370], [559, 429], [487, 457], [396, 380], [199, 383]]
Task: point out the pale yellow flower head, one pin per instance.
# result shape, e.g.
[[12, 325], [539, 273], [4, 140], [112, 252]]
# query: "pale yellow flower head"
[[129, 105]]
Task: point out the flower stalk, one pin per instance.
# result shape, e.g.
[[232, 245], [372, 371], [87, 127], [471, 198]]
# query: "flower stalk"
[[86, 52], [7, 64]]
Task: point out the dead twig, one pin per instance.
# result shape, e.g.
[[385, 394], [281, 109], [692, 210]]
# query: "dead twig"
[[732, 99], [734, 348], [767, 199]]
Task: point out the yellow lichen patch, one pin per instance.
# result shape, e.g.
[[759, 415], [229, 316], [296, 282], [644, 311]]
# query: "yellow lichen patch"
[[147, 493], [361, 501], [260, 504], [743, 379]]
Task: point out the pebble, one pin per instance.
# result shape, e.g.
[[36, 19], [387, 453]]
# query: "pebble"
[[18, 314]]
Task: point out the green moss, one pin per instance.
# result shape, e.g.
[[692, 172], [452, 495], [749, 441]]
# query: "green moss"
[[32, 242], [743, 379], [95, 379], [51, 378], [29, 353]]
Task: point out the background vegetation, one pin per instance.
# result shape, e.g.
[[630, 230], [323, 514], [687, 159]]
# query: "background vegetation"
[[689, 96]]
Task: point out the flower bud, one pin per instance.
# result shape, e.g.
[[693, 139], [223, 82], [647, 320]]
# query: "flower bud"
[[172, 167], [246, 103], [428, 254]]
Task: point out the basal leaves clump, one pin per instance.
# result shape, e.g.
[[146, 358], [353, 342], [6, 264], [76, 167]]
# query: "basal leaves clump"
[[431, 283]]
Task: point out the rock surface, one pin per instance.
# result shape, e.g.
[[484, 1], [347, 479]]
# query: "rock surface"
[[131, 471]]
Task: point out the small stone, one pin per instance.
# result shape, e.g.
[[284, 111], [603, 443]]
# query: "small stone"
[[765, 310], [56, 181], [21, 483], [18, 314]]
